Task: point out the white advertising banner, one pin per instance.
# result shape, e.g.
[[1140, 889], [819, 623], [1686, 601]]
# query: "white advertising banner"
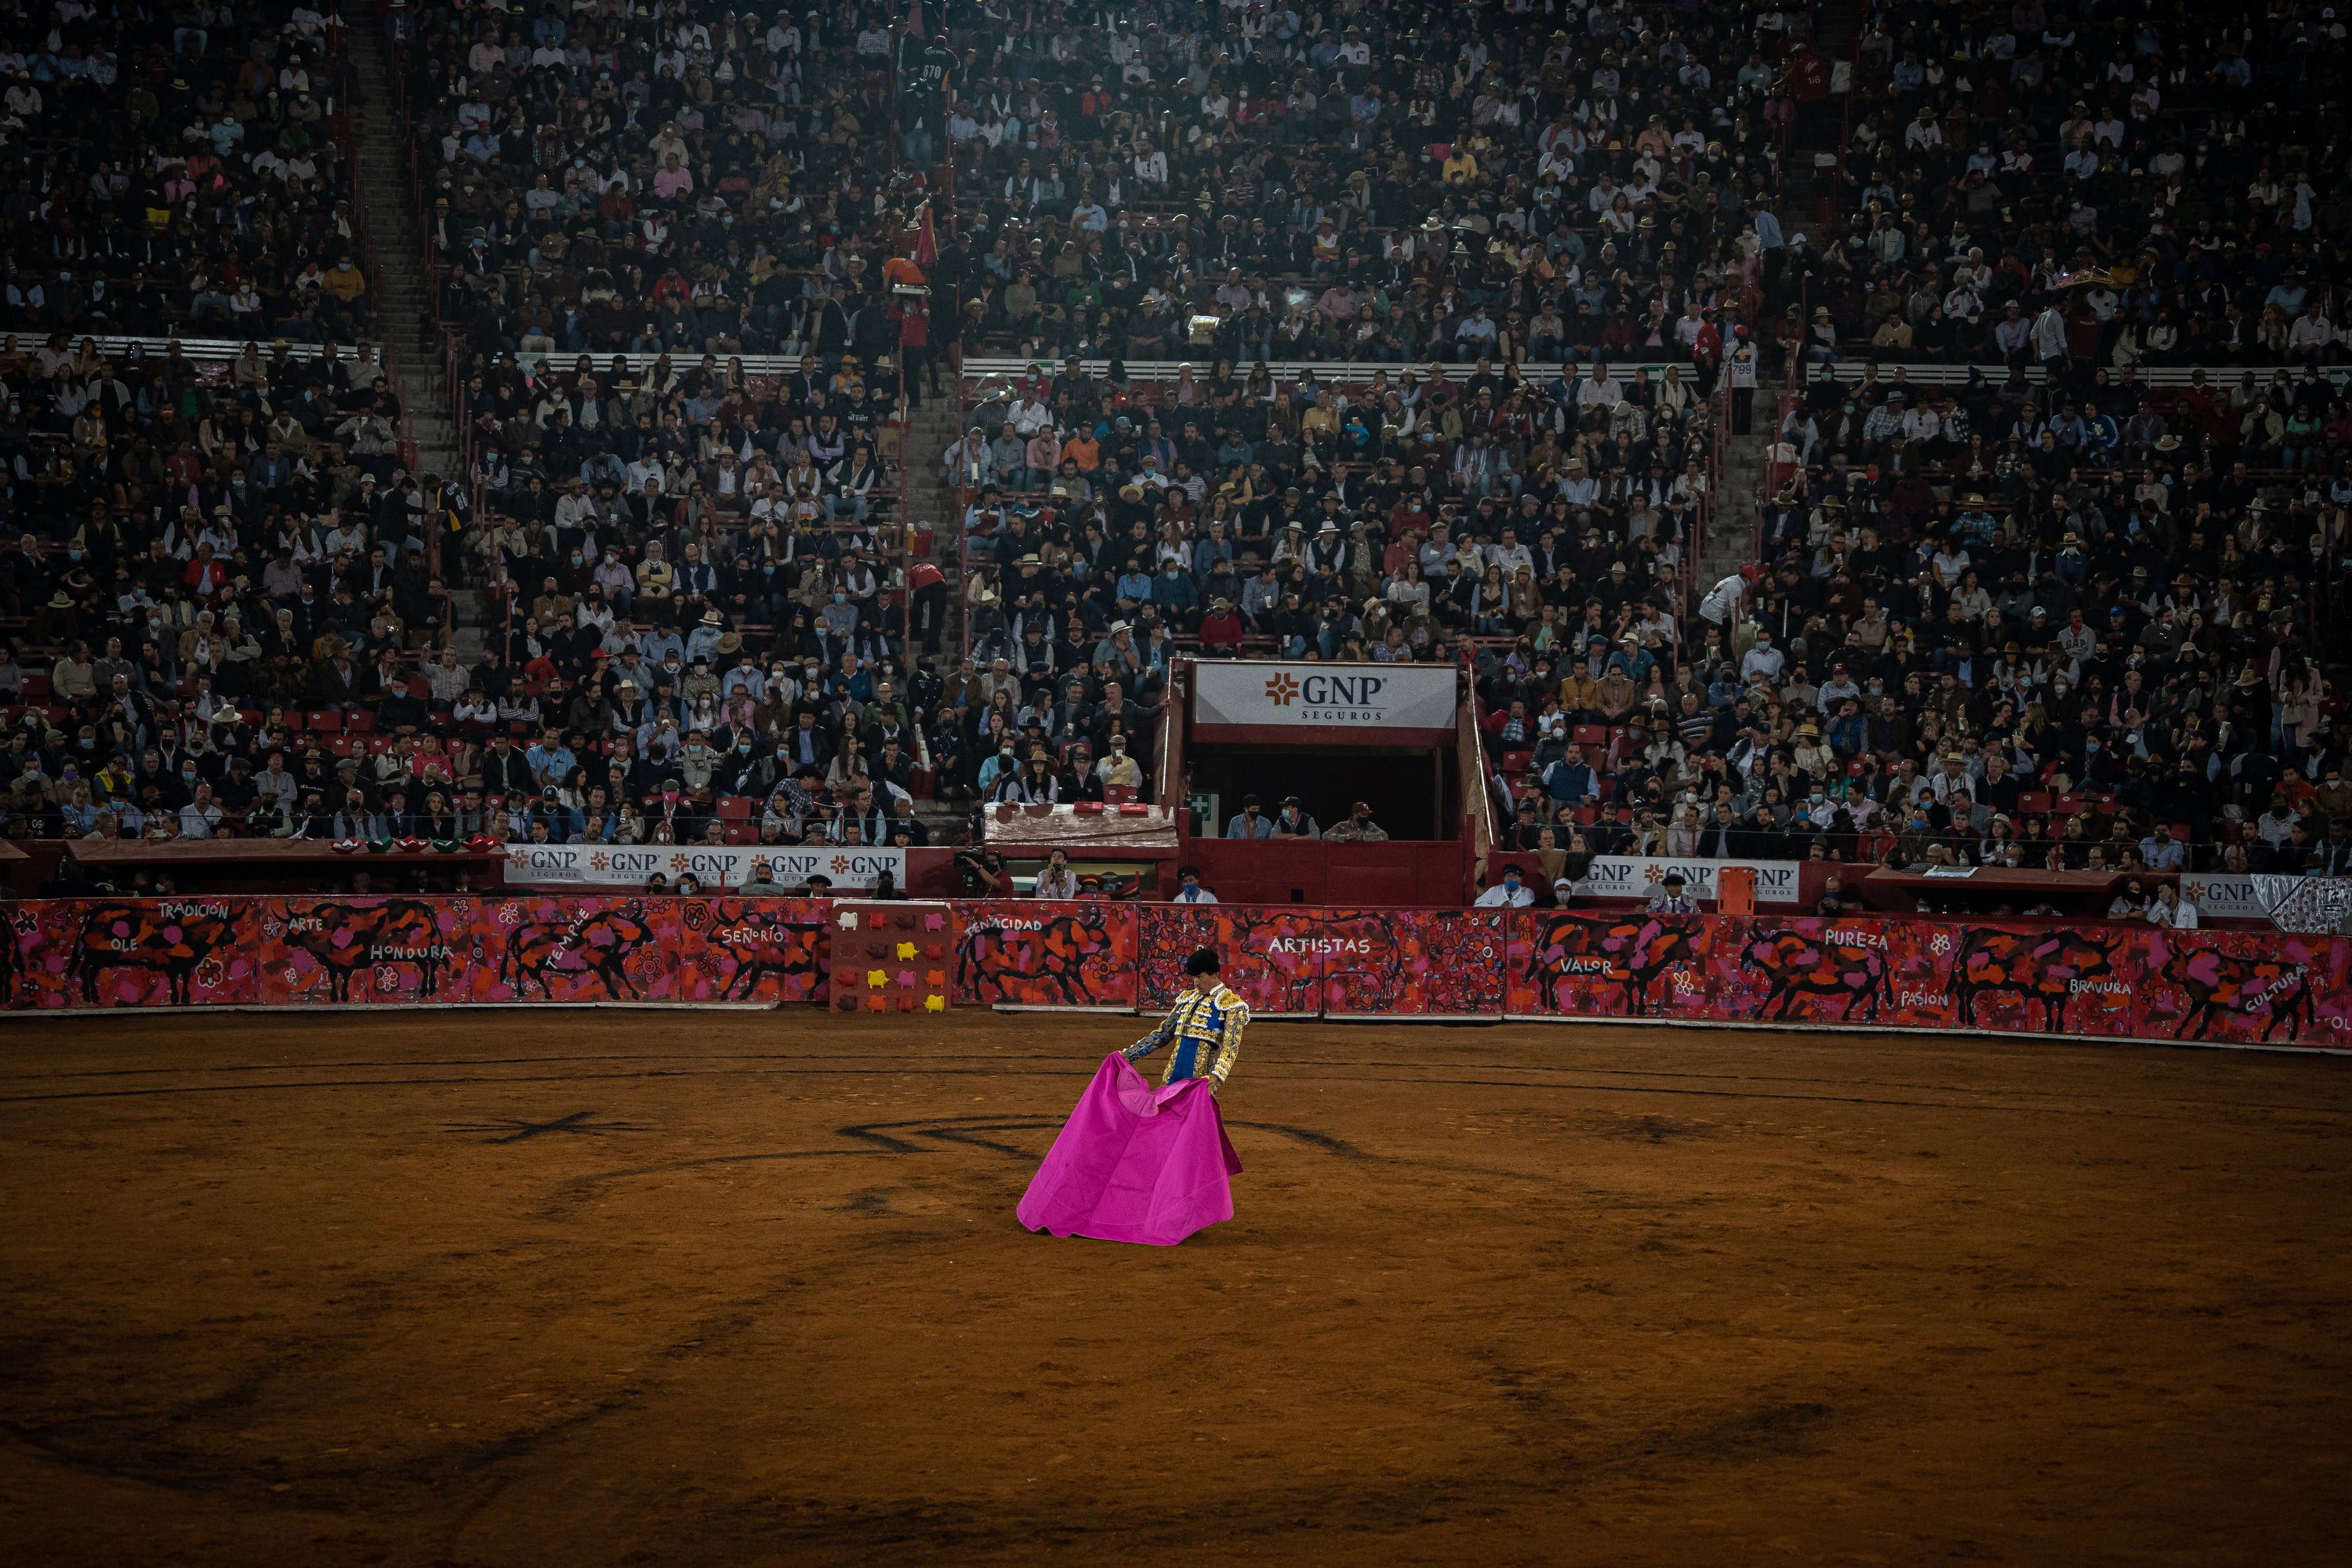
[[1637, 877], [1369, 697], [2308, 906], [2223, 897], [851, 868]]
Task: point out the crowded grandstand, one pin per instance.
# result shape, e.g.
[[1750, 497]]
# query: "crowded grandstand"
[[1889, 434]]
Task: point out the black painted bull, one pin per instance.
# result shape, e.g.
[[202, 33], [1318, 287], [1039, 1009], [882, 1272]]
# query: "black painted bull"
[[2219, 985], [1838, 963], [347, 938], [1636, 953], [600, 943], [2046, 966], [761, 948], [1052, 962], [1361, 951], [141, 936]]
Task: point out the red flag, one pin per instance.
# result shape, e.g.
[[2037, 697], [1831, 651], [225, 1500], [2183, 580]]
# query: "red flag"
[[926, 244]]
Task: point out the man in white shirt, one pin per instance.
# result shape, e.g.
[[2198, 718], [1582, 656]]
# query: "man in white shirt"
[[2310, 335], [200, 816], [1722, 602], [1598, 391], [2049, 339], [1763, 659], [1509, 893], [1057, 880], [1192, 892]]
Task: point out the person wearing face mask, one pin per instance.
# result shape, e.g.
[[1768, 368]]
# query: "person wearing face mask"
[[747, 768], [839, 616], [1250, 821], [1510, 893], [1003, 766], [1189, 889]]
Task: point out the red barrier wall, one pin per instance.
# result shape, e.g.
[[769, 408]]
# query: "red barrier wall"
[[1433, 963], [2112, 981], [2116, 981]]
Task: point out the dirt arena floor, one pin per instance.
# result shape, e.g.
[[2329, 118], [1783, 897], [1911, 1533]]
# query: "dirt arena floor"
[[586, 1288]]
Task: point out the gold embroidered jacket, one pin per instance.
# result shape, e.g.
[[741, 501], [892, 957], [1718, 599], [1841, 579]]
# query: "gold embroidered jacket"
[[1205, 1028]]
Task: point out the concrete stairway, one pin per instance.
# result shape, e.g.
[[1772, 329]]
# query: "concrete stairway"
[[932, 502], [1730, 538], [405, 317]]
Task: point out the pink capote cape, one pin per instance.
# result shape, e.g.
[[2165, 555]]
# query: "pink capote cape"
[[1135, 1163]]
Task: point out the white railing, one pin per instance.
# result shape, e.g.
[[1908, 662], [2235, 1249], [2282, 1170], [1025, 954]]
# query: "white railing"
[[1353, 372], [204, 349], [1341, 372], [2164, 377]]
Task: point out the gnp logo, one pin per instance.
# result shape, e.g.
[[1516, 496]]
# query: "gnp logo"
[[1329, 699]]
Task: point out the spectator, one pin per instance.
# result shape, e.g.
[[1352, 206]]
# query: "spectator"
[[1248, 823], [1188, 888], [1057, 881], [1292, 821], [1508, 893]]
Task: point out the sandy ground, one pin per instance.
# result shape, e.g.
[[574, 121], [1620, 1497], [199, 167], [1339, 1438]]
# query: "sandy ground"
[[580, 1288]]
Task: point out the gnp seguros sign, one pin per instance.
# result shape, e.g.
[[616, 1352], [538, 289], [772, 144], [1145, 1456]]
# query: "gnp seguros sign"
[[1369, 697]]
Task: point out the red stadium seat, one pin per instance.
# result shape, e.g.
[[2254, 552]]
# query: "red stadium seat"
[[1517, 762], [1590, 736], [320, 722], [734, 809], [739, 833], [359, 722]]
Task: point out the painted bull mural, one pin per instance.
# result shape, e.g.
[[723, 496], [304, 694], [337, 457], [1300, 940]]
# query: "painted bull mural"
[[598, 944], [346, 938], [2051, 967], [2220, 987], [1837, 966], [1636, 953], [166, 937], [1069, 960], [754, 948]]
